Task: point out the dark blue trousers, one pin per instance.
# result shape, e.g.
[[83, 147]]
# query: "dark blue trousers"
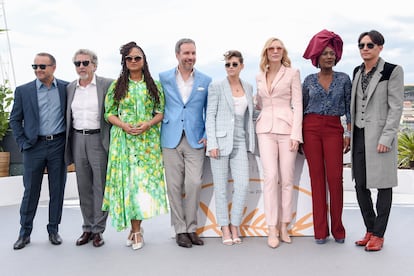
[[44, 154]]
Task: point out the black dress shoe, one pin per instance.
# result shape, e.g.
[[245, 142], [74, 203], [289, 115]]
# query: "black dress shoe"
[[183, 240], [98, 240], [85, 238], [55, 239], [21, 242], [195, 239]]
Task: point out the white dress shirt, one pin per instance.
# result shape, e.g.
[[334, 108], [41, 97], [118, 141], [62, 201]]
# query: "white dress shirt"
[[185, 87], [85, 109]]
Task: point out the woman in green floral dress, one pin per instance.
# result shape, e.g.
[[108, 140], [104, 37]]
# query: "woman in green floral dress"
[[135, 188]]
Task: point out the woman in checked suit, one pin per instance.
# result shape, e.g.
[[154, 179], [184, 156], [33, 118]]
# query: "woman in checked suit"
[[230, 135], [279, 132]]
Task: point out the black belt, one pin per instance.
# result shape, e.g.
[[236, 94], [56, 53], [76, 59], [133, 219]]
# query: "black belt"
[[51, 137], [88, 131]]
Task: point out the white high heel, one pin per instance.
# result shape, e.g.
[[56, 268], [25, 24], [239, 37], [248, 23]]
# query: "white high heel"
[[135, 243], [130, 238]]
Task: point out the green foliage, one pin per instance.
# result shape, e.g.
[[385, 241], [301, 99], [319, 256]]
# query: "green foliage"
[[6, 99], [408, 88], [405, 148]]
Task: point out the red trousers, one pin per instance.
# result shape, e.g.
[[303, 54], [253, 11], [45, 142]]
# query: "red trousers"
[[323, 148]]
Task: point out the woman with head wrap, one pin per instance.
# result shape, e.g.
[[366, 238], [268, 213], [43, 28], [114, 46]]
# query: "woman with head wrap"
[[326, 97]]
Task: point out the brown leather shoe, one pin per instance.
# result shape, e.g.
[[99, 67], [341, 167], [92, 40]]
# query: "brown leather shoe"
[[84, 238], [97, 240], [364, 240], [374, 244], [195, 239], [183, 240]]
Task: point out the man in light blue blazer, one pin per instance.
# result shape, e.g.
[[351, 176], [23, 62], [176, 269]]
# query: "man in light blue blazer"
[[183, 140], [38, 123]]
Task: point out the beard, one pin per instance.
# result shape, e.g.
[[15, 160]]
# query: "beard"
[[84, 76]]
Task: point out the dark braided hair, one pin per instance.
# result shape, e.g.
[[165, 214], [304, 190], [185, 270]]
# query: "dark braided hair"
[[121, 86]]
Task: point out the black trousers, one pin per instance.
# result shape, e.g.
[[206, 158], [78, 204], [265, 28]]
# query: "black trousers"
[[375, 220]]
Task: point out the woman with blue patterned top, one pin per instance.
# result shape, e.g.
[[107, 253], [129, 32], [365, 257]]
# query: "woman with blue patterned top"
[[326, 97]]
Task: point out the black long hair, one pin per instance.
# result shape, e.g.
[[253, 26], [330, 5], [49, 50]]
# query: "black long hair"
[[121, 86]]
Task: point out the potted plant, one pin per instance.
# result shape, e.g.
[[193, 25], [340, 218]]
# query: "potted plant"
[[406, 149], [5, 102]]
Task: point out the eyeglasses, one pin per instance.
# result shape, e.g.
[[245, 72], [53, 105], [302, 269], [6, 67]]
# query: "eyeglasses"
[[84, 63], [234, 64], [130, 58], [41, 66], [369, 45]]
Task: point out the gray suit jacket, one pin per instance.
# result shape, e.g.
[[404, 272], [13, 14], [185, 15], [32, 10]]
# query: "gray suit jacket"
[[384, 105], [102, 85], [220, 117]]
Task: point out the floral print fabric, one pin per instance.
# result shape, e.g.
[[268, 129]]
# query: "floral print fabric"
[[135, 187]]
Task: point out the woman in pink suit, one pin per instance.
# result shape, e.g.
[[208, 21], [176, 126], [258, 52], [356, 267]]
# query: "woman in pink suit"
[[279, 132]]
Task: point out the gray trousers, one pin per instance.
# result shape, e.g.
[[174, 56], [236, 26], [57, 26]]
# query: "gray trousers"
[[183, 173], [91, 161], [239, 165]]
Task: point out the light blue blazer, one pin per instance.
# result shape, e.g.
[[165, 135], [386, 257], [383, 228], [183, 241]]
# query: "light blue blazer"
[[220, 118], [179, 116]]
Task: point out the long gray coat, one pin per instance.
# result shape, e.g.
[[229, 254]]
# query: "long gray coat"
[[385, 95], [220, 117]]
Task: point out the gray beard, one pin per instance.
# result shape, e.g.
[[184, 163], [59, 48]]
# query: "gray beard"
[[84, 77]]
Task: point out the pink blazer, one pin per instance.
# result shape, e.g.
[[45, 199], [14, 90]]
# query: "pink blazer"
[[281, 107]]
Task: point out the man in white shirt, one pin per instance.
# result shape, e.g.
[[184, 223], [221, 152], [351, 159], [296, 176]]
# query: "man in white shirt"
[[87, 135], [183, 140]]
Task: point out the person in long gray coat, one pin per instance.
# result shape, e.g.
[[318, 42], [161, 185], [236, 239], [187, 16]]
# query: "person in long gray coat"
[[376, 109]]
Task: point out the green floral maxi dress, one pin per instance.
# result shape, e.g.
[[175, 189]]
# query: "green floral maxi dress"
[[135, 187]]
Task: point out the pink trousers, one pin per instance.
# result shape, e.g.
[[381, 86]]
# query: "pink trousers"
[[278, 164]]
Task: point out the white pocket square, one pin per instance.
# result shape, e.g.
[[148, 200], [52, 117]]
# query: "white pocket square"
[[200, 88]]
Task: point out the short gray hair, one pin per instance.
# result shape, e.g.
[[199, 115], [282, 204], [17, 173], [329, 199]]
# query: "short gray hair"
[[91, 54], [181, 42]]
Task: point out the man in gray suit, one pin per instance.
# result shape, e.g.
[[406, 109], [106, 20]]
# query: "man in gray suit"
[[376, 108], [87, 135]]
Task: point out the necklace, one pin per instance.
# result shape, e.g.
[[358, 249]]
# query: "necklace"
[[236, 87], [236, 90]]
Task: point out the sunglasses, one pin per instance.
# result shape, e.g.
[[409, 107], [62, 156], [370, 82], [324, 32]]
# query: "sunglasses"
[[41, 66], [234, 64], [130, 58], [84, 63], [369, 45]]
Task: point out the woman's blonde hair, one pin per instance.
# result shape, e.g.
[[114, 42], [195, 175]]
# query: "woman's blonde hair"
[[264, 61]]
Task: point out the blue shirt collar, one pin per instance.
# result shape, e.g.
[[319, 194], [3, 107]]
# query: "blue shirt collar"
[[40, 84]]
